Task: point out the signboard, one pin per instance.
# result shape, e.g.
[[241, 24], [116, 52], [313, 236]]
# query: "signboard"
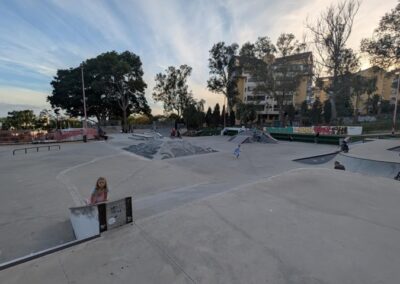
[[90, 220], [115, 214]]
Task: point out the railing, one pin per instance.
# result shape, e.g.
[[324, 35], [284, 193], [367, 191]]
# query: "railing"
[[49, 147]]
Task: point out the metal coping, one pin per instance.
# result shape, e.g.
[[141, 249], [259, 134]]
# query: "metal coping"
[[317, 156], [38, 254]]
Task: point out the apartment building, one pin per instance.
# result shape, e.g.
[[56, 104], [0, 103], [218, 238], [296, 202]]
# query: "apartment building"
[[266, 103], [386, 83]]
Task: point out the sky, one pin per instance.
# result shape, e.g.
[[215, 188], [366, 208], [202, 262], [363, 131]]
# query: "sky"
[[38, 37]]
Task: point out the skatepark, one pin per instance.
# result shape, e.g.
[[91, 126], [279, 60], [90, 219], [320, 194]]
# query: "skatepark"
[[278, 214]]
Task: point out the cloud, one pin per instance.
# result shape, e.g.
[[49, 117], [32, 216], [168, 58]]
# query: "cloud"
[[5, 108], [13, 95], [58, 34]]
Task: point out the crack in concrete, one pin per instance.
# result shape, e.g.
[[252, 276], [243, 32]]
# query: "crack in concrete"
[[168, 256]]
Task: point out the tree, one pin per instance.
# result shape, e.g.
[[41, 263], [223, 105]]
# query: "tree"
[[223, 115], [246, 112], [45, 120], [247, 50], [349, 63], [264, 47], [288, 45], [304, 113], [127, 86], [372, 104], [113, 87], [290, 112], [361, 85], [24, 119], [384, 46], [209, 117], [171, 88], [194, 115], [216, 116], [385, 106], [232, 118], [327, 111], [221, 64], [140, 119], [316, 112], [330, 34]]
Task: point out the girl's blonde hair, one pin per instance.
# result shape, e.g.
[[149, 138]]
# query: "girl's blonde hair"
[[105, 183]]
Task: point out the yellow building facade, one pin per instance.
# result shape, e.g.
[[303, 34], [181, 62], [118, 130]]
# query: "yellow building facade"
[[266, 104], [385, 89]]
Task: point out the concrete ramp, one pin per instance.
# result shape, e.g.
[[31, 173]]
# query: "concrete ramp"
[[85, 221], [91, 220], [369, 167], [239, 139], [267, 138], [88, 222], [251, 136]]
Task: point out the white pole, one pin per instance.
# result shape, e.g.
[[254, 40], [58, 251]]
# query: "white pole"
[[395, 105], [84, 108]]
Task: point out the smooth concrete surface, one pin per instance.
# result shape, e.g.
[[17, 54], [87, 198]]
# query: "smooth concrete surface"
[[373, 158], [376, 150], [304, 226], [207, 218], [38, 188]]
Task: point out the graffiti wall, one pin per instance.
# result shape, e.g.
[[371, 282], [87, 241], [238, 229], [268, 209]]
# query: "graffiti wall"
[[322, 130]]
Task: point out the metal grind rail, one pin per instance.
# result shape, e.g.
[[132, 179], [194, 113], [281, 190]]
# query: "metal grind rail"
[[49, 147]]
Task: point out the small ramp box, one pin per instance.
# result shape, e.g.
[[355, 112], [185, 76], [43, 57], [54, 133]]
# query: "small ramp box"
[[90, 220]]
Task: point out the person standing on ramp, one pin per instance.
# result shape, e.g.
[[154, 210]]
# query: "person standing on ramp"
[[237, 152]]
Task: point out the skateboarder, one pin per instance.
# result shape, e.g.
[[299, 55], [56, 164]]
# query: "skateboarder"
[[100, 192], [344, 146], [237, 152]]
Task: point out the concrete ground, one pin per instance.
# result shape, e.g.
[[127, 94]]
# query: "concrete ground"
[[204, 219]]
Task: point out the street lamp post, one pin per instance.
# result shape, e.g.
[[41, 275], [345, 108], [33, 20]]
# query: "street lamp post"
[[395, 105], [84, 108]]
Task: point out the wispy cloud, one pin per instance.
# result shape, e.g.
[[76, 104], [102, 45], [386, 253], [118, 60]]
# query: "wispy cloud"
[[12, 98], [39, 37]]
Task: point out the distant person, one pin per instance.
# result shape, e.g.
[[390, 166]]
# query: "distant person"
[[178, 133], [339, 166], [173, 132], [237, 152], [344, 146], [316, 137], [100, 192], [397, 177]]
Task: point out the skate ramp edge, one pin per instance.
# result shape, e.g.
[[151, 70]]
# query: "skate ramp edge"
[[369, 167], [318, 159], [87, 222], [45, 252]]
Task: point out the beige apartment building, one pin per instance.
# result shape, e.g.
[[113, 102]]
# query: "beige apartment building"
[[386, 83], [266, 104]]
